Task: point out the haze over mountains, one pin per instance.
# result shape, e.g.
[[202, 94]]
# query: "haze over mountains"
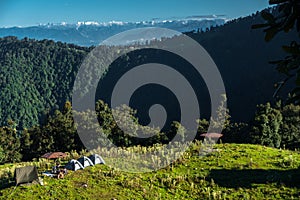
[[38, 76], [93, 33]]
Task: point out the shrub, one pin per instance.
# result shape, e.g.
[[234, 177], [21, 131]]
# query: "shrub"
[[266, 126], [290, 128]]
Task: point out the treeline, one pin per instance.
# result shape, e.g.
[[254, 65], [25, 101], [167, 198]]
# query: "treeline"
[[57, 133], [275, 126], [36, 77]]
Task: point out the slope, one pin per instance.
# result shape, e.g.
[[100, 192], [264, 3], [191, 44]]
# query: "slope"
[[232, 172]]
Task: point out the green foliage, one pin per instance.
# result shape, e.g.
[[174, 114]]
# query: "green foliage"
[[41, 142], [57, 134], [177, 128], [290, 128], [236, 133], [122, 127], [203, 125], [266, 126], [286, 18], [2, 155], [35, 77], [61, 127], [10, 145], [25, 144], [276, 126], [222, 119], [233, 172]]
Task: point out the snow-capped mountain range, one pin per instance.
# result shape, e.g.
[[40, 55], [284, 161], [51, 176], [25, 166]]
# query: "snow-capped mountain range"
[[93, 33]]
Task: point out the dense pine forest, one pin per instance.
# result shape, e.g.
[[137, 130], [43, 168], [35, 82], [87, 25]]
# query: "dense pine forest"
[[37, 77], [72, 127]]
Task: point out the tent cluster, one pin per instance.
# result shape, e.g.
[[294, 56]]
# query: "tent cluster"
[[30, 174], [84, 162]]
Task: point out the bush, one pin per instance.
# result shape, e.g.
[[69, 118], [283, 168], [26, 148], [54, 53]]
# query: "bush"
[[236, 133], [290, 128], [266, 126], [10, 145]]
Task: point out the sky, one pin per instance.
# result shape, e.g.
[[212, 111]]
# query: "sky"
[[34, 12]]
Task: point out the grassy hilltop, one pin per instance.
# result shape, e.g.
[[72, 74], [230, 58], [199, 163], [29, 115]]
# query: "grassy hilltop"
[[234, 171]]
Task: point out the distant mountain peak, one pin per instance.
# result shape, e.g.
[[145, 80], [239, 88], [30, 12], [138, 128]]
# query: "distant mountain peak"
[[87, 33], [153, 21]]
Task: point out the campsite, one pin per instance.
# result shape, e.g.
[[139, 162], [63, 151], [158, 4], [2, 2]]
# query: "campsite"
[[225, 174], [29, 173], [150, 100]]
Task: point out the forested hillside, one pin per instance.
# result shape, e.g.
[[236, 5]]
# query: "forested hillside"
[[243, 57], [36, 77]]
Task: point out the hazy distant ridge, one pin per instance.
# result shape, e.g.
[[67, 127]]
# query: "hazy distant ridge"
[[92, 33]]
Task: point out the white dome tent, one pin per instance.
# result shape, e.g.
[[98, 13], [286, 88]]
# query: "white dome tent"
[[74, 165], [96, 159], [85, 161]]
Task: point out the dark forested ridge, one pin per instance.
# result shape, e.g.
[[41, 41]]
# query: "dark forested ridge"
[[37, 76], [243, 57], [62, 97]]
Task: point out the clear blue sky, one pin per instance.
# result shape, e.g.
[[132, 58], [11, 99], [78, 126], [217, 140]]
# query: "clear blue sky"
[[33, 12]]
